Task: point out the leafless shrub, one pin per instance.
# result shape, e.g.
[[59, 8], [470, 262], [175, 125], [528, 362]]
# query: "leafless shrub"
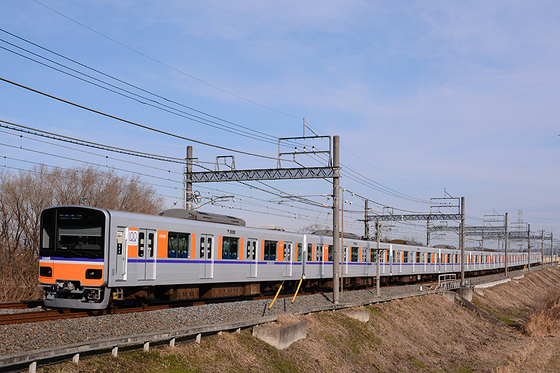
[[25, 194]]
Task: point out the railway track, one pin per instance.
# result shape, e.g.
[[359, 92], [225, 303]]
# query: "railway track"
[[36, 316], [26, 317], [22, 305]]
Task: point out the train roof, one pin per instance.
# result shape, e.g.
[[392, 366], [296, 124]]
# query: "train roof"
[[203, 216]]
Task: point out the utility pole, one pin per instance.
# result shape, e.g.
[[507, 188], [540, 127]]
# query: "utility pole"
[[336, 217]]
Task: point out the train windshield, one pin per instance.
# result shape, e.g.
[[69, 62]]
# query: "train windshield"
[[72, 232]]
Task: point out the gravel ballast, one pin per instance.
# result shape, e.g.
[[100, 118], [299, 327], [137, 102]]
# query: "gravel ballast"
[[19, 338]]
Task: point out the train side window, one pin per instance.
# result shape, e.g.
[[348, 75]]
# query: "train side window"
[[355, 254], [270, 250], [309, 252], [202, 247], [150, 245], [141, 245], [330, 253], [405, 257], [299, 248], [319, 253], [287, 251], [230, 248], [251, 249], [178, 245], [418, 257], [373, 255]]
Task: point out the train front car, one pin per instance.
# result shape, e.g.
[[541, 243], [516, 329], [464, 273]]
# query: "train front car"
[[72, 257]]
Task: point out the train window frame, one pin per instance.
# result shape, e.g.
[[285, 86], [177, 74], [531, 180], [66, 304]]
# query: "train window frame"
[[287, 251], [86, 226], [141, 244], [354, 254], [232, 249], [319, 252], [270, 250], [182, 246], [418, 257], [373, 255]]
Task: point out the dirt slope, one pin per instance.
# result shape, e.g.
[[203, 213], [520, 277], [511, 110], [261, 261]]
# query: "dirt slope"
[[422, 334]]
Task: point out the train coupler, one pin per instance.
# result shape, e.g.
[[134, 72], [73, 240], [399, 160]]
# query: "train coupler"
[[118, 294]]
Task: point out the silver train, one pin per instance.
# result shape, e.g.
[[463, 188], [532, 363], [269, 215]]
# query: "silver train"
[[91, 258]]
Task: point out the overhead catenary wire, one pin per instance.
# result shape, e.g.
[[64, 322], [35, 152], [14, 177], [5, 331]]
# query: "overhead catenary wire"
[[246, 129], [353, 177], [142, 99], [375, 185], [370, 183], [136, 124]]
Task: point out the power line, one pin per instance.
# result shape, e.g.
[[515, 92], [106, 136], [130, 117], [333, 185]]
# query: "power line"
[[134, 123], [164, 64], [150, 102]]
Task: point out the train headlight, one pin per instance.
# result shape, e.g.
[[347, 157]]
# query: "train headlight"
[[45, 271], [94, 274]]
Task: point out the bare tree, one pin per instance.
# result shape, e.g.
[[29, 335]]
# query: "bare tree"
[[25, 194]]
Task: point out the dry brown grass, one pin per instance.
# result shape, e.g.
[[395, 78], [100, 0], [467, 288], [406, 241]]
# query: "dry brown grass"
[[423, 334], [545, 321]]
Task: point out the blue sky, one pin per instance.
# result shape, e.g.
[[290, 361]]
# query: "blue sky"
[[425, 96]]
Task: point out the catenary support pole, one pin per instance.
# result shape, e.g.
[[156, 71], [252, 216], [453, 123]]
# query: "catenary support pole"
[[336, 217], [188, 196], [551, 249], [528, 247], [378, 256], [462, 241], [342, 240], [366, 221], [507, 245], [542, 248]]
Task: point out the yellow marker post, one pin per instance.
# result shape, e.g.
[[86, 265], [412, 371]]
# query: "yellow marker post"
[[276, 296], [300, 281]]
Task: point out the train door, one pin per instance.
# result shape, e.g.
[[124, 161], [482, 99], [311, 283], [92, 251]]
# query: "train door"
[[345, 260], [366, 263], [252, 256], [288, 257], [146, 268], [122, 252], [319, 251], [391, 259], [304, 250], [206, 250]]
